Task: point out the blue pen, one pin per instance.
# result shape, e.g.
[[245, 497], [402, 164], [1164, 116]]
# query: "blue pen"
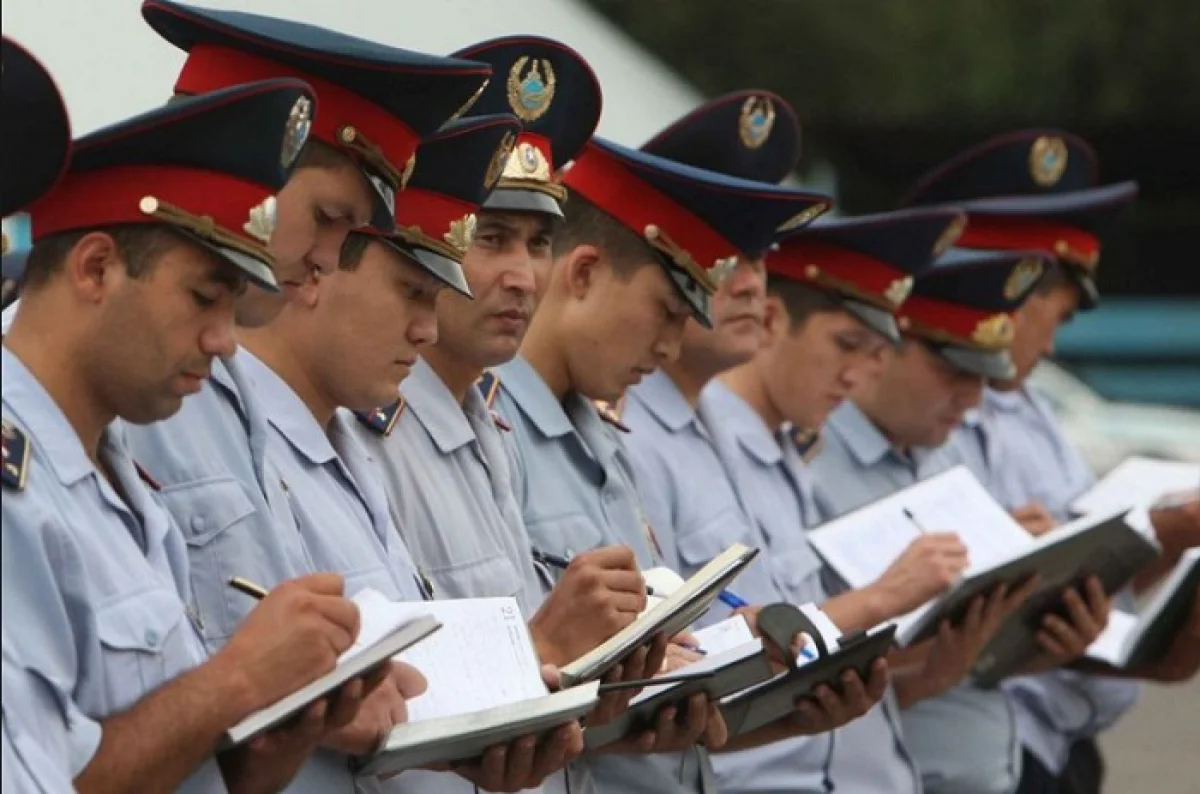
[[731, 600]]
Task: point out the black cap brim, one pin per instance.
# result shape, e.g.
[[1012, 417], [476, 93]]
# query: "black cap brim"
[[991, 364], [699, 301], [383, 203], [506, 199], [257, 271], [1089, 293], [878, 320], [444, 269]]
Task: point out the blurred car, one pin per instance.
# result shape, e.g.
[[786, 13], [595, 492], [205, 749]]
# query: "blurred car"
[[1107, 432]]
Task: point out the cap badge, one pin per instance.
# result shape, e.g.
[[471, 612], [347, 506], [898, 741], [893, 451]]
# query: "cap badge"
[[462, 233], [756, 121], [499, 158], [299, 124], [950, 235], [722, 269], [530, 93], [898, 291], [994, 332], [262, 221], [1023, 276], [1047, 160]]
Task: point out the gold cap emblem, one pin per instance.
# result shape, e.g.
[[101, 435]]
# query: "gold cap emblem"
[[531, 91], [898, 291], [950, 235], [262, 221], [756, 121], [462, 233], [1047, 160], [299, 124], [994, 332], [1023, 276]]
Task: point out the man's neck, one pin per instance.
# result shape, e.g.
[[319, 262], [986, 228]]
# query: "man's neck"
[[458, 375], [56, 368], [273, 350], [746, 382], [543, 350], [876, 414], [689, 378]]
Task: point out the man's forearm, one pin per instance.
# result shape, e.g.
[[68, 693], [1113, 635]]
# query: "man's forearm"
[[857, 609], [166, 735]]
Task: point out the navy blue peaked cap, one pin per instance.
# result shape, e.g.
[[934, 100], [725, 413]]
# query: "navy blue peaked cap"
[[456, 169], [748, 134], [553, 91], [376, 101], [36, 131], [699, 222], [207, 167]]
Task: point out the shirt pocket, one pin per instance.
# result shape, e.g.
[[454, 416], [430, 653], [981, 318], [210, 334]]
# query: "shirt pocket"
[[565, 534], [205, 512], [488, 577], [701, 544], [142, 643]]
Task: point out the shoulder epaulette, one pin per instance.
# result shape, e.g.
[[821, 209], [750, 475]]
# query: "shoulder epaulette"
[[611, 413], [489, 387], [16, 457], [383, 419]]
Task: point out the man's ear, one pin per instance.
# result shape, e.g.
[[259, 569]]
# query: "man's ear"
[[307, 295], [94, 266], [776, 322], [581, 268]]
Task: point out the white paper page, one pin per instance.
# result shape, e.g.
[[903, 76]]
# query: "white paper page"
[[861, 545], [714, 661], [1110, 645], [377, 619], [1138, 482], [722, 636], [481, 658]]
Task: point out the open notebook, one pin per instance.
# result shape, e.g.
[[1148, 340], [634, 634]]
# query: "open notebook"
[[380, 637], [1133, 640], [1141, 482], [669, 616]]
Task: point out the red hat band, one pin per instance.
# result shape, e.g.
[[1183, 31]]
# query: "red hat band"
[[437, 222], [1071, 245], [953, 323], [841, 270]]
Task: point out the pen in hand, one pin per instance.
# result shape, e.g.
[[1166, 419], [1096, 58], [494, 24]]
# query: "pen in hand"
[[248, 587], [913, 520], [562, 563]]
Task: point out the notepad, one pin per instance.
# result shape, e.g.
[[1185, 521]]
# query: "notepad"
[[673, 614], [380, 637], [1140, 482], [1133, 640]]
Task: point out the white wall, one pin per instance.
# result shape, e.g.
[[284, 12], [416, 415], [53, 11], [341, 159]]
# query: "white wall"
[[110, 65]]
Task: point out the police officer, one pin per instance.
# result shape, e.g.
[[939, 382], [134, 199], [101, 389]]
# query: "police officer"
[[957, 330], [129, 292]]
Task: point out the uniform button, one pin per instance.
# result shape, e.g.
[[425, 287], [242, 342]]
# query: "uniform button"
[[198, 523], [152, 638]]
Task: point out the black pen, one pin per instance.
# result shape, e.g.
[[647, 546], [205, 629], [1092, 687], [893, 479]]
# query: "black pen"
[[562, 563], [645, 682], [248, 587], [913, 520]]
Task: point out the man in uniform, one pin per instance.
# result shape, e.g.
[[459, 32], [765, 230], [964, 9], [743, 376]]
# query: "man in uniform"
[[625, 280], [375, 104], [888, 435], [129, 295], [1014, 443]]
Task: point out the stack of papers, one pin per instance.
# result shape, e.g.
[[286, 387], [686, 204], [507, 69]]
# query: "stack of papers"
[[1144, 483]]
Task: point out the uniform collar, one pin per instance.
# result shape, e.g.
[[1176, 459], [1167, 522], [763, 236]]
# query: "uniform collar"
[[436, 409], [36, 413], [531, 394], [1009, 402], [665, 402], [864, 440], [285, 410], [226, 375], [742, 422]]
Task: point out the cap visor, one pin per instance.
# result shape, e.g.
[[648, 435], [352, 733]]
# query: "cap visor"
[[442, 268], [697, 299], [878, 320], [512, 200], [993, 364], [258, 272], [1089, 293], [1074, 202]]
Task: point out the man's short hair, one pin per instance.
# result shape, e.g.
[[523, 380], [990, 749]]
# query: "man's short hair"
[[1053, 276], [586, 224], [140, 246], [801, 300], [353, 249]]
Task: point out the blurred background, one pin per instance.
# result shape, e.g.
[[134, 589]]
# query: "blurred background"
[[884, 90]]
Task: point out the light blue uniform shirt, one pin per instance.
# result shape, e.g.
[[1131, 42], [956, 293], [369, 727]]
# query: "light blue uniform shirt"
[[41, 753], [965, 741], [449, 485], [574, 484], [93, 574], [1015, 446], [775, 489]]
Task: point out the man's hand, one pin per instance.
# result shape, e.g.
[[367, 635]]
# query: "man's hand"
[[1035, 518], [643, 663], [930, 565], [953, 652], [681, 651], [525, 762], [678, 727], [1181, 662], [600, 593], [1064, 641], [387, 691], [291, 638]]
